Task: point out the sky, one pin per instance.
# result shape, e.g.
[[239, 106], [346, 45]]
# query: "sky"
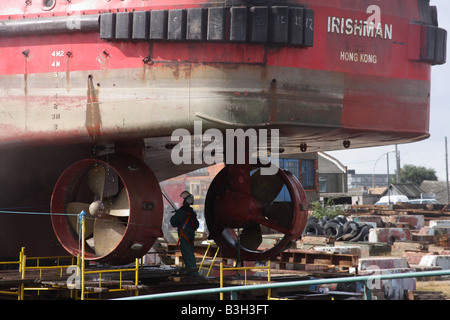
[[429, 153]]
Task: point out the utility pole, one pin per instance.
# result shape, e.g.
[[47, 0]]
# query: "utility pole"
[[446, 170], [397, 161], [388, 191]]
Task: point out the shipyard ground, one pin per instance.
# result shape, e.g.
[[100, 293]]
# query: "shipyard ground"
[[312, 257]]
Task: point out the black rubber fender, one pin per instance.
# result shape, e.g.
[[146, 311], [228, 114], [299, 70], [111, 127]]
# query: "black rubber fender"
[[349, 236], [351, 226], [324, 220], [313, 228], [363, 234], [314, 219], [333, 228], [341, 219]]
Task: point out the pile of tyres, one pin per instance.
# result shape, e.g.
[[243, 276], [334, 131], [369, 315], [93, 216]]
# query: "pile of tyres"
[[339, 227]]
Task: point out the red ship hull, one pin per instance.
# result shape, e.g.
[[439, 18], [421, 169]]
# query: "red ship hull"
[[345, 86], [84, 84]]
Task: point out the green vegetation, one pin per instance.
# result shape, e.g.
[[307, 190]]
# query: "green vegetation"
[[329, 210], [416, 174]]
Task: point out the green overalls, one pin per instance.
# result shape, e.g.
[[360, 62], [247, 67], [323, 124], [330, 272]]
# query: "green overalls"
[[185, 219]]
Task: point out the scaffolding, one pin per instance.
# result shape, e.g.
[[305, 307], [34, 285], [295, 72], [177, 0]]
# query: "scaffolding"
[[245, 269], [76, 282]]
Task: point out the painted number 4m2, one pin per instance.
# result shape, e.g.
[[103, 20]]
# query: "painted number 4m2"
[[57, 54]]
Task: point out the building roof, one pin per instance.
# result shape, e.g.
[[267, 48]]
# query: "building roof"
[[328, 164], [410, 190], [377, 190], [438, 188]]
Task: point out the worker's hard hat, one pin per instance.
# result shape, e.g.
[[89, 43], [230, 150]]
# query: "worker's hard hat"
[[187, 196]]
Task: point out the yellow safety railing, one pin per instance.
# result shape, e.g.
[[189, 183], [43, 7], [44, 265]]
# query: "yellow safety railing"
[[120, 271], [222, 269], [19, 266], [23, 267], [204, 257], [41, 268], [84, 272], [19, 262]]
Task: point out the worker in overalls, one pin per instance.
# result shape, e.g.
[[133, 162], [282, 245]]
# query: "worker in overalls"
[[185, 219]]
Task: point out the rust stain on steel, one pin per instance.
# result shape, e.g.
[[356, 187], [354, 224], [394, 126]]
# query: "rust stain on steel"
[[93, 117], [176, 72], [273, 101], [69, 55], [26, 54]]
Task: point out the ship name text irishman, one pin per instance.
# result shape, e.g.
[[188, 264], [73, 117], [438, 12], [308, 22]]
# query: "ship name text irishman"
[[361, 28]]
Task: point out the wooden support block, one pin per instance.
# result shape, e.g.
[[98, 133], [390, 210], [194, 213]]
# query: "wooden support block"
[[97, 289], [425, 295], [318, 240], [134, 287]]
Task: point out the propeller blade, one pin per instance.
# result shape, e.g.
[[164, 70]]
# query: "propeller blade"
[[281, 213], [265, 188], [251, 236], [75, 208], [111, 187], [96, 180], [119, 212], [120, 206], [90, 242], [107, 235]]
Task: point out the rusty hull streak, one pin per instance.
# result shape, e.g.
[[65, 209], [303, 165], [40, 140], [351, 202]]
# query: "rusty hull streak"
[[93, 116], [68, 56], [25, 75], [273, 101], [26, 54]]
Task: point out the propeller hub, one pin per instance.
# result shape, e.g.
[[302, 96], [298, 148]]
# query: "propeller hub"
[[236, 209], [97, 209]]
